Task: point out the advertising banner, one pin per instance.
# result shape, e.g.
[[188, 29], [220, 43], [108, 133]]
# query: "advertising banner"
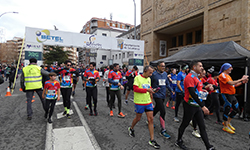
[[35, 47], [68, 39]]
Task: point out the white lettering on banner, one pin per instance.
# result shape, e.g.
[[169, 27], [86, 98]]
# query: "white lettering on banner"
[[131, 47], [162, 82]]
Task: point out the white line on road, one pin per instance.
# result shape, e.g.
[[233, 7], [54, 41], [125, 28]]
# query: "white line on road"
[[84, 123]]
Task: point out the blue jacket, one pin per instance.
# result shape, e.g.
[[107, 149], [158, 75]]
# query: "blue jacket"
[[160, 80]]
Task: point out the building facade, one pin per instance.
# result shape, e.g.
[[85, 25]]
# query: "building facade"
[[169, 25], [102, 27]]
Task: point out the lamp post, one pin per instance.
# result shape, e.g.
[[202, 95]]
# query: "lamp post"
[[8, 12], [135, 18]]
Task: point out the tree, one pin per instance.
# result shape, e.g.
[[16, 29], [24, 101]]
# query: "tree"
[[54, 53]]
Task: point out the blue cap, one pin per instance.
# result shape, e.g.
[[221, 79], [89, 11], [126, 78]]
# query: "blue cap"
[[224, 67]]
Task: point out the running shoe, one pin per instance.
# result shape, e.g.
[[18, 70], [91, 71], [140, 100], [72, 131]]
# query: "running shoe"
[[191, 123], [49, 120], [111, 113], [95, 113], [83, 88], [211, 147], [131, 132], [91, 114], [121, 115], [196, 133], [126, 102], [228, 130], [176, 119], [164, 134], [154, 144], [29, 118], [68, 116], [167, 104], [173, 107], [64, 113], [71, 97], [86, 107], [180, 145], [230, 126]]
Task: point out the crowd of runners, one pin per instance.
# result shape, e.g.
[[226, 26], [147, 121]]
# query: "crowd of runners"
[[198, 90]]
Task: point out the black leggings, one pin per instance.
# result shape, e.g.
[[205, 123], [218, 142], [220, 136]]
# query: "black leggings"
[[49, 107], [107, 95], [197, 114], [112, 100], [92, 92], [179, 99], [230, 102], [215, 102], [159, 106], [66, 92]]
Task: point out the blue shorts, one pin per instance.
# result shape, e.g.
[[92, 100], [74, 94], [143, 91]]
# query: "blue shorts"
[[141, 108]]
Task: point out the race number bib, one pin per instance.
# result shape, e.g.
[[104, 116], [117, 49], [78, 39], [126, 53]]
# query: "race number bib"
[[145, 86], [67, 78], [51, 92], [117, 81], [174, 82], [162, 82], [91, 78]]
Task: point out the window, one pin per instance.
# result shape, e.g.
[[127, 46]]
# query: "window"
[[198, 36], [107, 24], [104, 57], [118, 25], [127, 54], [123, 55], [104, 34], [115, 56], [113, 24], [119, 56], [174, 42], [189, 38], [123, 27], [180, 38]]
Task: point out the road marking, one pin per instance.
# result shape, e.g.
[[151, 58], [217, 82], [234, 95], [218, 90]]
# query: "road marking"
[[89, 132], [59, 103]]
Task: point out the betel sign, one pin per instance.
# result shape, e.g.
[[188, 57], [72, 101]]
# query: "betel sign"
[[44, 35]]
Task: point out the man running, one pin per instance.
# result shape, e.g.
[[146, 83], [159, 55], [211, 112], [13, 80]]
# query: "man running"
[[159, 79], [180, 90], [193, 105], [227, 87], [173, 84], [130, 75], [75, 79], [106, 82], [66, 81], [91, 76], [115, 79], [143, 103]]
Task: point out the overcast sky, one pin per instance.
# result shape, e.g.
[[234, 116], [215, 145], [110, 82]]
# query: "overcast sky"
[[67, 15]]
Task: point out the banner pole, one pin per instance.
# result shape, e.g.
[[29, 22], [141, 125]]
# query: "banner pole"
[[19, 59]]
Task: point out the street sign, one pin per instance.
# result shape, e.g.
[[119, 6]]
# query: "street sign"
[[91, 54]]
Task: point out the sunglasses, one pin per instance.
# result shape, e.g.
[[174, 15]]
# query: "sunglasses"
[[68, 65]]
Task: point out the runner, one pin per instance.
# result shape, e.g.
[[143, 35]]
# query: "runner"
[[91, 76], [193, 105], [130, 75], [75, 79], [159, 81], [105, 78], [66, 81], [144, 103], [115, 80], [51, 93], [180, 90], [173, 84], [214, 96], [124, 80], [227, 87]]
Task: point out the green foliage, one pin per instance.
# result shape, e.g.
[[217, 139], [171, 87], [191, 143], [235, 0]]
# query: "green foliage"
[[55, 53]]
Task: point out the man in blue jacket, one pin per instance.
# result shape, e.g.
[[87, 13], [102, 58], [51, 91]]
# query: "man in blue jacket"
[[159, 79]]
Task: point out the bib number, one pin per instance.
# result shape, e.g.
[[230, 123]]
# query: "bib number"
[[67, 78], [145, 86], [203, 95], [162, 82], [174, 82], [51, 92]]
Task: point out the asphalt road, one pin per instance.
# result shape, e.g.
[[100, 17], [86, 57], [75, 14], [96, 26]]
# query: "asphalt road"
[[110, 132]]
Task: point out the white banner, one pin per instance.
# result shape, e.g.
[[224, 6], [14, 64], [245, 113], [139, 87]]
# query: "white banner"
[[68, 39]]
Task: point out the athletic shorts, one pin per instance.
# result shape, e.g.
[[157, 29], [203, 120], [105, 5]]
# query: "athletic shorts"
[[141, 108], [130, 86], [74, 81]]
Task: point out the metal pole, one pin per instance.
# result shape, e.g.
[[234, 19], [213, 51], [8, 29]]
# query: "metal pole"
[[135, 19]]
